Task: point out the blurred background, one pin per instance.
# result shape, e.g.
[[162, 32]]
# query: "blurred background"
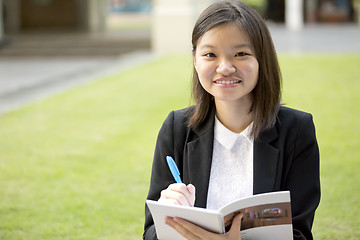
[[91, 36], [86, 84], [95, 34]]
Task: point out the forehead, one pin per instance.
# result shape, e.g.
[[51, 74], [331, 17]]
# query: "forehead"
[[224, 34]]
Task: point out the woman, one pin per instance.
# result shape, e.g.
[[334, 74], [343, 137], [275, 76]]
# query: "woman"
[[237, 140]]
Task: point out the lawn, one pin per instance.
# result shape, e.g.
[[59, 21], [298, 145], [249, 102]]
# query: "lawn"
[[77, 165]]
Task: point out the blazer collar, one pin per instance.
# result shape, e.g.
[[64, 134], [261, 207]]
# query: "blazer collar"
[[208, 124], [266, 159]]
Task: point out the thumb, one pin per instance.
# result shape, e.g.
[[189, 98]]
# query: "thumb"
[[191, 189], [236, 226]]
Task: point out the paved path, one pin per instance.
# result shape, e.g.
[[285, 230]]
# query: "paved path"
[[26, 80], [326, 39]]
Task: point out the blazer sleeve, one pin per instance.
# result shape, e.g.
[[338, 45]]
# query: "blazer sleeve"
[[161, 176], [303, 178]]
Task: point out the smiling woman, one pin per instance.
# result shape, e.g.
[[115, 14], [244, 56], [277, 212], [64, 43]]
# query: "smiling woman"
[[227, 69], [236, 141], [259, 43]]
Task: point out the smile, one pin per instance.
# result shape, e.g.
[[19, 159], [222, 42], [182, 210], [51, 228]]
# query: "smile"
[[232, 81]]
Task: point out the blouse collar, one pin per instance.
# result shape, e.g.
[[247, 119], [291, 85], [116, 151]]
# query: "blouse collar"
[[226, 137]]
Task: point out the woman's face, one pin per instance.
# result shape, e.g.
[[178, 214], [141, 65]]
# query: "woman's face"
[[226, 64]]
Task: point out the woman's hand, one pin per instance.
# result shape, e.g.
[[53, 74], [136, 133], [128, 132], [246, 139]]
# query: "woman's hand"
[[191, 231], [178, 193]]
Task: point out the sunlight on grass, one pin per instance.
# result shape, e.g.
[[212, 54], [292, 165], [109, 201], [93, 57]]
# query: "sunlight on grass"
[[77, 165]]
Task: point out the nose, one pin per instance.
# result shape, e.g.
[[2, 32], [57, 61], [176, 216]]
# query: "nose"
[[225, 67]]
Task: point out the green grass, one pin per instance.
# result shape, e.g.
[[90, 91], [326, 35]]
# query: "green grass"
[[327, 86], [77, 165]]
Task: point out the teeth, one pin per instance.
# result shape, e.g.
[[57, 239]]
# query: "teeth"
[[227, 81]]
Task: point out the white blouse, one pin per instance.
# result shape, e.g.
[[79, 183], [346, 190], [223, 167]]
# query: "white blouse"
[[231, 175]]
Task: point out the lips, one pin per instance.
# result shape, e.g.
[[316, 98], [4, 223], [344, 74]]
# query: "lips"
[[226, 81]]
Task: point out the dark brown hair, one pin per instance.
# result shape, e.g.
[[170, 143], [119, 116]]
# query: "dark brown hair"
[[267, 93]]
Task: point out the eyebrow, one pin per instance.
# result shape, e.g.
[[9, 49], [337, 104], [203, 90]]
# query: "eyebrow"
[[234, 47]]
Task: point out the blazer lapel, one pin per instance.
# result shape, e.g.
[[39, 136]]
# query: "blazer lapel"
[[199, 156], [265, 162]]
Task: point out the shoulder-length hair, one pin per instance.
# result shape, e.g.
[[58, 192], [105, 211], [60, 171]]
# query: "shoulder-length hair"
[[267, 93]]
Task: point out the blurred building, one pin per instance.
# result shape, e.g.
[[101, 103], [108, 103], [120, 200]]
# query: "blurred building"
[[25, 15], [89, 15], [68, 28], [126, 6], [316, 11]]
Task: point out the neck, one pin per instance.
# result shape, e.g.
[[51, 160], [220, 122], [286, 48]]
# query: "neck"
[[234, 116]]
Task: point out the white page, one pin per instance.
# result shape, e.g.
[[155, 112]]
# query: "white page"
[[277, 232], [164, 232]]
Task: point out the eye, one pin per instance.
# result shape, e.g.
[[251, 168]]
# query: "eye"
[[211, 55], [241, 54]]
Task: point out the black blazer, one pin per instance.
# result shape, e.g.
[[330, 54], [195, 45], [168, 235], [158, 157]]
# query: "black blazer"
[[286, 157]]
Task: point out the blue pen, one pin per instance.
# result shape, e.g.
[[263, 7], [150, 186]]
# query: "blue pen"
[[173, 169]]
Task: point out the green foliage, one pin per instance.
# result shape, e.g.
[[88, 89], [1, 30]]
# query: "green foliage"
[[77, 165]]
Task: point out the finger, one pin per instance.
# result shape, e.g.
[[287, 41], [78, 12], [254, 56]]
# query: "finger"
[[234, 231], [183, 189], [178, 227], [173, 197], [193, 230], [191, 189], [169, 201]]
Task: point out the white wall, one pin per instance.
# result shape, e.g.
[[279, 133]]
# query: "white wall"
[[172, 24]]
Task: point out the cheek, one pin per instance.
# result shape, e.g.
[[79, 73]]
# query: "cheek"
[[252, 69], [203, 79], [204, 76], [205, 70]]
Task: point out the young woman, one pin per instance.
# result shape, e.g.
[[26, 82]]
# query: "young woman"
[[237, 140]]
